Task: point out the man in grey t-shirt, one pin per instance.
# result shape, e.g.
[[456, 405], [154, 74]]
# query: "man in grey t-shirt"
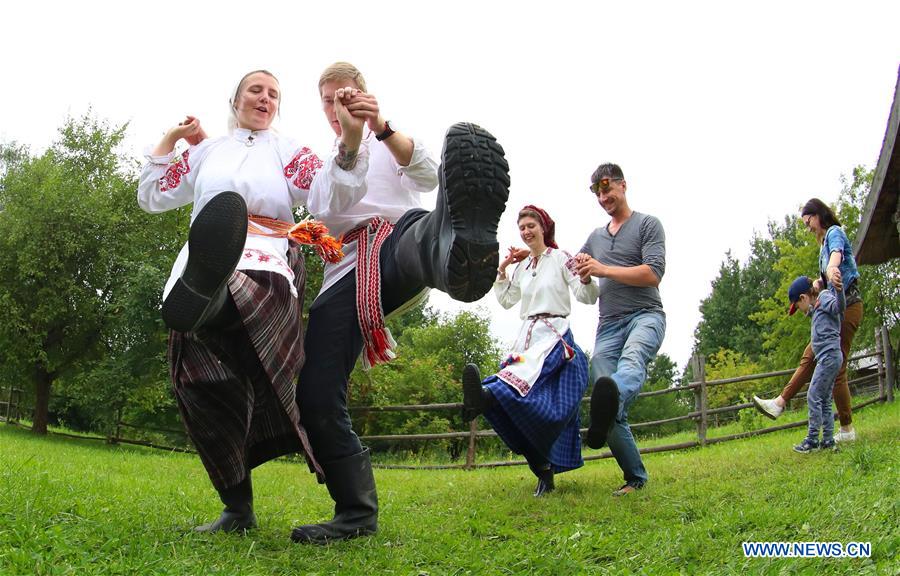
[[628, 255]]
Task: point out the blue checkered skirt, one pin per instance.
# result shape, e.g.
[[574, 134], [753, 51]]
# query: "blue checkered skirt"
[[547, 420]]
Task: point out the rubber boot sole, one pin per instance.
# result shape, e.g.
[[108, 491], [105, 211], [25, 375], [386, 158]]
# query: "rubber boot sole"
[[604, 407], [215, 244], [323, 534], [475, 180]]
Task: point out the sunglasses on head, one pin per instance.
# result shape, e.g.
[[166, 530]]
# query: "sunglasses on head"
[[603, 184]]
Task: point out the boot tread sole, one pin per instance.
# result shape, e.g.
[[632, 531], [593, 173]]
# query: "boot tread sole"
[[215, 244], [475, 176]]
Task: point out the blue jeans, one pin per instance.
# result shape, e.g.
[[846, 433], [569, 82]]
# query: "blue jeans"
[[818, 397], [622, 350]]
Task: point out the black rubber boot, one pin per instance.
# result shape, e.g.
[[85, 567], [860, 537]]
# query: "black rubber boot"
[[352, 487], [454, 248], [604, 407], [238, 514], [215, 244]]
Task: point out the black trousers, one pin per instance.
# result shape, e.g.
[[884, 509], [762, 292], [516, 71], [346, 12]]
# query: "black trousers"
[[333, 343]]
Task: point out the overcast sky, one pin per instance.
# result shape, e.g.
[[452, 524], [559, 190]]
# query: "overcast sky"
[[722, 115]]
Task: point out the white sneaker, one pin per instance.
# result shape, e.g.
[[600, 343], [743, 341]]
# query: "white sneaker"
[[842, 436], [769, 408]]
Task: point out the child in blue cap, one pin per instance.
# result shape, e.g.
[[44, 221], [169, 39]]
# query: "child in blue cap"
[[826, 307]]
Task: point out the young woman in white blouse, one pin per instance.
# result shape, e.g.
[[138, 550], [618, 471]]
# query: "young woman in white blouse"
[[533, 401], [233, 301]]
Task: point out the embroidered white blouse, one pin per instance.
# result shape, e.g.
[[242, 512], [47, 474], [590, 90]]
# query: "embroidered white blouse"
[[386, 189], [543, 288], [272, 173]]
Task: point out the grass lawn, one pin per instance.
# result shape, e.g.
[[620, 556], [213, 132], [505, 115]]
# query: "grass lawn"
[[83, 507]]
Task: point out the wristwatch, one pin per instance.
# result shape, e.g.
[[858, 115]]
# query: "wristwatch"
[[386, 133]]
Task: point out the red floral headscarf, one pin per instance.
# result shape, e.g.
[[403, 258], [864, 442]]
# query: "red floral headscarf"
[[547, 224]]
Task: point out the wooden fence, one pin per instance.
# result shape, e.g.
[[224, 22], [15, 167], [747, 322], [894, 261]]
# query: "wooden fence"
[[881, 383]]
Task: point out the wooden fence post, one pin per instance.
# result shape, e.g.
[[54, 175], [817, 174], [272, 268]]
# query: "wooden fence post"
[[9, 402], [698, 362], [118, 427], [880, 364], [470, 453], [889, 375]]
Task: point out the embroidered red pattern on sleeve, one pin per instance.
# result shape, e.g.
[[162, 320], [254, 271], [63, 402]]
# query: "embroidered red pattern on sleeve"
[[178, 168], [302, 168]]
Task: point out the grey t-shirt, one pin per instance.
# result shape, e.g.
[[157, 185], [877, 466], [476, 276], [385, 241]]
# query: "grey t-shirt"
[[640, 240]]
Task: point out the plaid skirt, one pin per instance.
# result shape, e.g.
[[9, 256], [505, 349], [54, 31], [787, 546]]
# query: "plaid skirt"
[[235, 390], [547, 421]]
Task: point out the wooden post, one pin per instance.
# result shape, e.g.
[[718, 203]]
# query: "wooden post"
[[879, 356], [118, 427], [889, 376], [470, 453], [698, 361], [9, 402]]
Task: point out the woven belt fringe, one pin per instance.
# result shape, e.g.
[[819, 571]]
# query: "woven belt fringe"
[[309, 232], [378, 344]]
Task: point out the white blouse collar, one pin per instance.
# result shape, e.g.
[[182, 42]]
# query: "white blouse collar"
[[251, 137]]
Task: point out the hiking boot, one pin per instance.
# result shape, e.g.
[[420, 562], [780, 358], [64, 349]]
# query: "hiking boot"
[[769, 408], [215, 245]]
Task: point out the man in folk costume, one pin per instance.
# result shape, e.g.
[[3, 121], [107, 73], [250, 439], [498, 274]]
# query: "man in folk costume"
[[394, 251], [533, 402], [628, 255], [234, 300]]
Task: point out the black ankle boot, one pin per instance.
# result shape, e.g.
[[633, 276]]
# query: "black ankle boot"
[[215, 244], [604, 407], [352, 487], [454, 248], [545, 482], [473, 393], [238, 514]]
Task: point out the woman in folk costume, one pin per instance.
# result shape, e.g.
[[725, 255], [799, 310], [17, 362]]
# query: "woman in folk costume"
[[533, 401], [233, 301]]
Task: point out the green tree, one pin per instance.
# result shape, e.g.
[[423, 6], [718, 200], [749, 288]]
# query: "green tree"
[[730, 364], [431, 353], [662, 373], [786, 336], [879, 283], [728, 313], [83, 268]]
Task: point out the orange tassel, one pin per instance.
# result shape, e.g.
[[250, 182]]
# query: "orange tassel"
[[310, 232]]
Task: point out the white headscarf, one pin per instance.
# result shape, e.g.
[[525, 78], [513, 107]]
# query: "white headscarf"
[[232, 111]]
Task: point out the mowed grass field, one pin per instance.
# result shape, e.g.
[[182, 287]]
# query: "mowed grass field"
[[83, 507]]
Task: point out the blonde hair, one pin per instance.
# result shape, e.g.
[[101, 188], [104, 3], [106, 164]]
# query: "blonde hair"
[[232, 102], [342, 71]]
